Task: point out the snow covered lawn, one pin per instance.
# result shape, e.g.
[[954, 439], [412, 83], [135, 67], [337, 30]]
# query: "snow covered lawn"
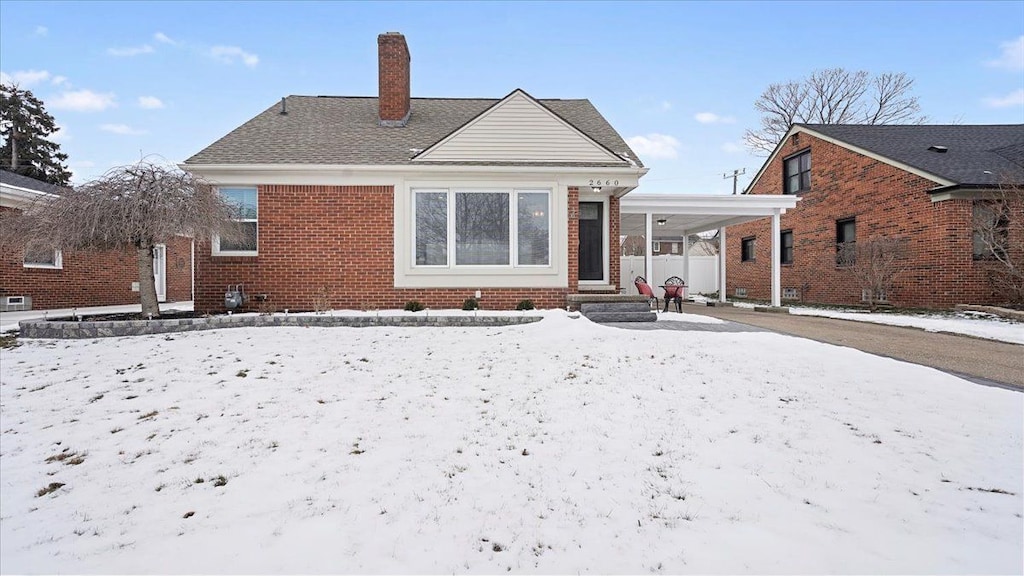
[[977, 324], [560, 446]]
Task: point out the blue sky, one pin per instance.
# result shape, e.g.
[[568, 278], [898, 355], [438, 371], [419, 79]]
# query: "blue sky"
[[676, 79]]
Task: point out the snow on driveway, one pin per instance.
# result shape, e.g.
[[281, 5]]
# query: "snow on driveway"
[[977, 324], [560, 446]]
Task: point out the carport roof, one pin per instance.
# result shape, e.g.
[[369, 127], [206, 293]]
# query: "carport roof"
[[691, 214]]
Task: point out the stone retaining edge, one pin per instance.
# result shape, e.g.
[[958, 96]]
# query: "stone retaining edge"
[[109, 329], [998, 311]]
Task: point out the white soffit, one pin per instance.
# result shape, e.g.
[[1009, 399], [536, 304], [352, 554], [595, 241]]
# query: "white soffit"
[[690, 214], [518, 129]]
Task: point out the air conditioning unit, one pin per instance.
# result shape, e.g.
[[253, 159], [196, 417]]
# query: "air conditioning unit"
[[15, 303]]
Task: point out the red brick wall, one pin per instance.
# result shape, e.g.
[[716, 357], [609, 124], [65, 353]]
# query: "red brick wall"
[[614, 250], [886, 201], [393, 75], [93, 278], [338, 240]]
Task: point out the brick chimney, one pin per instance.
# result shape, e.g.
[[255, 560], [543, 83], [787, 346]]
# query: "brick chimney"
[[393, 60]]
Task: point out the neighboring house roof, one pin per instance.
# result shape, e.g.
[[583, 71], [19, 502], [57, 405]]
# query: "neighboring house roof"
[[345, 130], [18, 181], [974, 156]]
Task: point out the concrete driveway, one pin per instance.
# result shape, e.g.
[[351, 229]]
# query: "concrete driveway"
[[982, 361]]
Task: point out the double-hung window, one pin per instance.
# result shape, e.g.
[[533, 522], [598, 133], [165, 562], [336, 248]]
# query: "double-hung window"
[[747, 249], [456, 227], [846, 242], [990, 230], [786, 247], [42, 256], [797, 177], [243, 241]]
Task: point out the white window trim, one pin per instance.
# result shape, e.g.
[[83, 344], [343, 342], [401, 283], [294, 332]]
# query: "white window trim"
[[656, 246], [513, 207], [215, 241], [58, 262]]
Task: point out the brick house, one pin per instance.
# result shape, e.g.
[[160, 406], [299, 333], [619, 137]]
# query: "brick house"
[[922, 184], [41, 278], [370, 202]]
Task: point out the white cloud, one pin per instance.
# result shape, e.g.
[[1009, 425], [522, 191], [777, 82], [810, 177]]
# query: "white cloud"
[[131, 50], [654, 145], [25, 78], [41, 31], [83, 101], [732, 148], [150, 102], [1015, 98], [59, 80], [666, 105], [231, 54], [712, 118], [1012, 57], [163, 38], [122, 129]]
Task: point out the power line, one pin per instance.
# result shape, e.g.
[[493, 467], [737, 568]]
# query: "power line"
[[735, 176]]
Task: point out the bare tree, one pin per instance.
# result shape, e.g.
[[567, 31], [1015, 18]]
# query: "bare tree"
[[833, 96], [875, 264], [998, 235], [130, 207]]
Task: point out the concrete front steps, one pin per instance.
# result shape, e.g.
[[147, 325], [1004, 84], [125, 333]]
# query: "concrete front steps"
[[613, 307]]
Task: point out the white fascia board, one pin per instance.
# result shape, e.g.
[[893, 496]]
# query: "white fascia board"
[[384, 175], [18, 197], [757, 204], [852, 148]]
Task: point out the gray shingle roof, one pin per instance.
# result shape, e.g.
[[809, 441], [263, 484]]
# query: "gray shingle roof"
[[977, 155], [344, 130], [15, 179]]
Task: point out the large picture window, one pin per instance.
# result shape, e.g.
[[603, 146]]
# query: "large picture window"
[[482, 227], [244, 239]]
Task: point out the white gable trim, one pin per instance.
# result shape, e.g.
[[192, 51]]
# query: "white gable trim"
[[436, 152], [862, 151], [18, 197]]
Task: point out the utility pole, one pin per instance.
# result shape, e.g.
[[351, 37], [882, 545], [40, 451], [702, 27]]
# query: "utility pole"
[[735, 176]]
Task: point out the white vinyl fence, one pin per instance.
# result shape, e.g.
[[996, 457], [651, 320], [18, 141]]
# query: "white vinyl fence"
[[703, 273]]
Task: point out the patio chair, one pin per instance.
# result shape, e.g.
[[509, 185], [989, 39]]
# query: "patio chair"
[[675, 290], [645, 289]]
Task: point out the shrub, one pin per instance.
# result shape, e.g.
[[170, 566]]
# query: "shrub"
[[414, 306], [470, 304], [525, 304]]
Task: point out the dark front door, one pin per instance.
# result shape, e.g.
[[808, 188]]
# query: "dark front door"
[[591, 241]]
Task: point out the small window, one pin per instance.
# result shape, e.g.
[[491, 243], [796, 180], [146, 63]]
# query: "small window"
[[786, 247], [790, 294], [40, 256], [990, 230], [797, 173], [245, 240], [880, 295], [747, 250], [675, 248], [846, 242], [741, 292], [656, 247]]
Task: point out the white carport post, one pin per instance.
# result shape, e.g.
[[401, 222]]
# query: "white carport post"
[[686, 260], [776, 253], [721, 264], [648, 256]]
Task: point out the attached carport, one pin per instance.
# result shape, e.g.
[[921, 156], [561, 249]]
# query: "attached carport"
[[656, 216]]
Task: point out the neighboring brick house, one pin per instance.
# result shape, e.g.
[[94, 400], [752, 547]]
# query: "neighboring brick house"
[[40, 278], [367, 203], [924, 184], [670, 245]]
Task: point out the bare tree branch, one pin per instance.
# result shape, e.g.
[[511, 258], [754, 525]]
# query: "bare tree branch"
[[833, 96]]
